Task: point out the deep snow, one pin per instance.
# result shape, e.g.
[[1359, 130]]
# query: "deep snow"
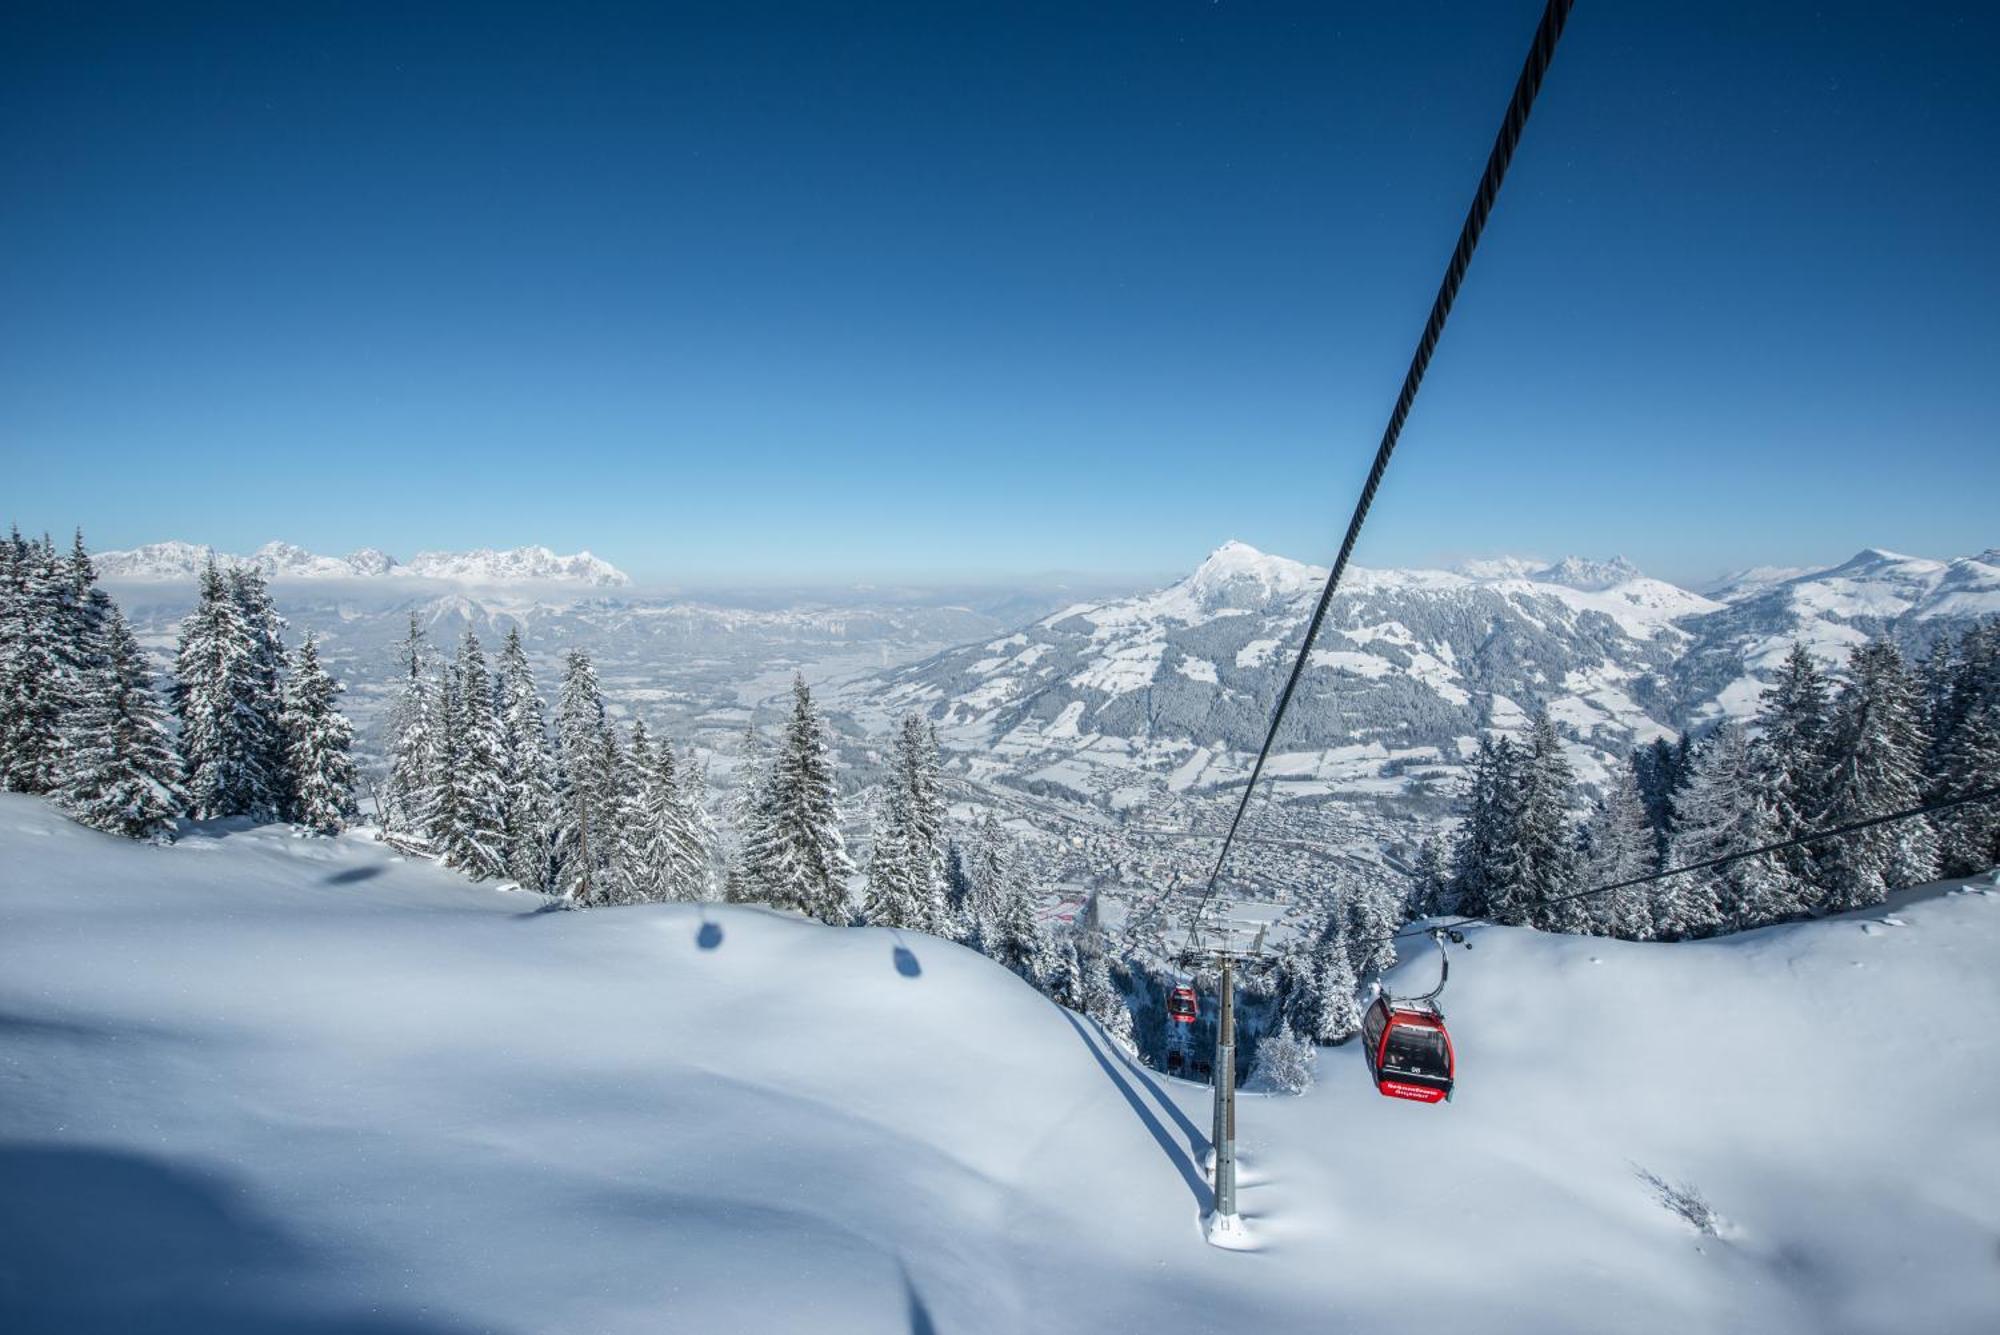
[[256, 1082]]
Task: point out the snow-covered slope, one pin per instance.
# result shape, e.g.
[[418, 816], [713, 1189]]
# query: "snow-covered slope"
[[283, 560], [1874, 593], [1409, 667], [1175, 687], [258, 1083]]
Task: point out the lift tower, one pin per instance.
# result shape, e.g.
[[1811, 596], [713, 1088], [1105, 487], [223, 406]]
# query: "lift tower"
[[1212, 939]]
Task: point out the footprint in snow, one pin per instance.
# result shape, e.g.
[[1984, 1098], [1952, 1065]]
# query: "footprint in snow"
[[1871, 929]]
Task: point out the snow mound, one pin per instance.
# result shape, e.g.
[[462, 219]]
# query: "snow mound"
[[259, 1082]]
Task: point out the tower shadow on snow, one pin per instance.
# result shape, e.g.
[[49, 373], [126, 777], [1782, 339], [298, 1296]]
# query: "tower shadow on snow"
[[1197, 1185]]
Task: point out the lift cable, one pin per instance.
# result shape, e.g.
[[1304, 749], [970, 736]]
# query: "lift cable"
[[1529, 84], [1814, 837]]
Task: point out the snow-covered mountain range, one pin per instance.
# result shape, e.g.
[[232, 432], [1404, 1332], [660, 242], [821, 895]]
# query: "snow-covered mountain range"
[[283, 560], [1107, 700]]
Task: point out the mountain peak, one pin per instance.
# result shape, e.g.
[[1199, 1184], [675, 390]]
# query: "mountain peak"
[[1581, 573], [284, 560], [1237, 575]]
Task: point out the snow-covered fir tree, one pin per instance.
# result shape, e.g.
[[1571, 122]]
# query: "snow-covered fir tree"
[[743, 808], [1062, 980], [528, 808], [587, 785], [1877, 745], [1015, 939], [227, 702], [1315, 984], [633, 865], [409, 798], [262, 684], [906, 866], [1621, 848], [120, 773], [1723, 809], [83, 615], [1662, 769], [666, 827], [1430, 880], [470, 832], [31, 701], [319, 745], [1967, 751], [794, 856], [692, 774], [1487, 816], [988, 866], [1792, 719], [1371, 928], [1536, 866], [1102, 999]]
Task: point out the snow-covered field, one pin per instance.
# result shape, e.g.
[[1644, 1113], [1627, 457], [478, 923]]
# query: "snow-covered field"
[[260, 1083]]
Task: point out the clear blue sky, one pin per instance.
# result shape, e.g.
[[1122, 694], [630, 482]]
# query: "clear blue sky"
[[949, 289]]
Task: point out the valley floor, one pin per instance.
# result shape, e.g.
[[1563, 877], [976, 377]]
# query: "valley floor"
[[256, 1082]]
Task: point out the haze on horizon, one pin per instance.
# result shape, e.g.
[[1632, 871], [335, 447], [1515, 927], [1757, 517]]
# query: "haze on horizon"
[[781, 295]]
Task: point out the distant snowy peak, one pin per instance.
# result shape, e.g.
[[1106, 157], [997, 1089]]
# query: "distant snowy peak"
[[1237, 575], [283, 560], [486, 566], [1591, 576]]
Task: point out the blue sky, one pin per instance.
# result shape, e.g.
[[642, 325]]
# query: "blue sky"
[[946, 290]]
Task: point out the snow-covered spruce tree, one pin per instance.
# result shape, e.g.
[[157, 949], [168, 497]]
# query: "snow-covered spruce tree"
[[83, 615], [1877, 747], [586, 788], [1662, 770], [409, 798], [1968, 754], [989, 857], [1792, 718], [528, 808], [957, 885], [892, 898], [1622, 847], [1371, 923], [226, 702], [634, 866], [319, 746], [1063, 980], [1016, 940], [1430, 880], [708, 866], [120, 771], [1724, 809], [1102, 1001], [471, 834], [906, 868], [794, 857], [261, 685], [31, 696], [1328, 1012], [669, 842], [1484, 857], [743, 808], [1539, 868]]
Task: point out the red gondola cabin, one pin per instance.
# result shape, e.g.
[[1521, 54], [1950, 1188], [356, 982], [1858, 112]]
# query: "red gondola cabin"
[[1181, 1005], [1408, 1049]]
